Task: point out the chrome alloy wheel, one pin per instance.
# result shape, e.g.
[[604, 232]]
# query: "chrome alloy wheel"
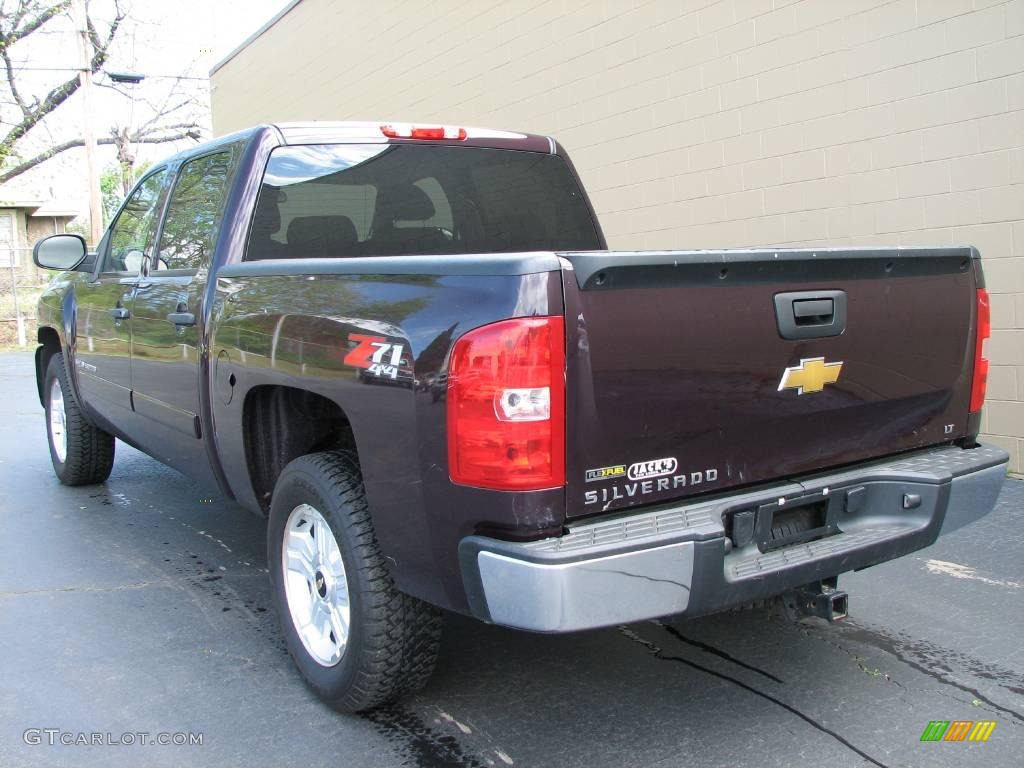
[[58, 422], [315, 585]]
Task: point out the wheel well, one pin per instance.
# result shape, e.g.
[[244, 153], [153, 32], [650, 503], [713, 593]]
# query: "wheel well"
[[280, 424], [49, 341]]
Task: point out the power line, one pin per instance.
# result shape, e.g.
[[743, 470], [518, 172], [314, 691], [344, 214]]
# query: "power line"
[[76, 69]]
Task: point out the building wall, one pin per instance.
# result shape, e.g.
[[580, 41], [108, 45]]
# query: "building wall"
[[38, 227], [707, 124], [27, 230], [13, 249]]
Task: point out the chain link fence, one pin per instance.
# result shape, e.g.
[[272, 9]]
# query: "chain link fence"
[[21, 282]]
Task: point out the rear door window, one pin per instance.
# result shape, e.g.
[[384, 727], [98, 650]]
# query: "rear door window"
[[194, 213], [334, 201]]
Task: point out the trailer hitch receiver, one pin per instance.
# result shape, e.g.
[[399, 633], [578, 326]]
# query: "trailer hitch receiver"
[[820, 598]]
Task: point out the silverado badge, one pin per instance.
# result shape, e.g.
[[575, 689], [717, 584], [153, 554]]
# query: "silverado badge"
[[811, 375]]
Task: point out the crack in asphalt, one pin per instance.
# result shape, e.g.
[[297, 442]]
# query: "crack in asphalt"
[[808, 632], [902, 651], [862, 666], [119, 588], [716, 652], [659, 654]]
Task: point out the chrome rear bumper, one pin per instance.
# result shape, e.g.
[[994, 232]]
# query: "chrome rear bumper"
[[678, 559]]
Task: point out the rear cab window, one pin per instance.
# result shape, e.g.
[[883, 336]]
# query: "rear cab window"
[[337, 201]]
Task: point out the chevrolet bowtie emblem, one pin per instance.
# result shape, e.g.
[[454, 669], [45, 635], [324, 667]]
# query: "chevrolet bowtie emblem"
[[811, 375]]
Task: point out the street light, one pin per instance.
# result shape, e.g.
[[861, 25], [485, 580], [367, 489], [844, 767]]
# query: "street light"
[[130, 78]]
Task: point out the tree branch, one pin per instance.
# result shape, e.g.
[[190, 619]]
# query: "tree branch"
[[62, 92], [16, 34], [53, 99], [94, 37], [99, 56], [11, 83], [193, 134], [16, 17], [19, 13], [171, 127], [163, 111], [42, 157]]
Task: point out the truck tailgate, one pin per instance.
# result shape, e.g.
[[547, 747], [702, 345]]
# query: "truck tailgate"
[[694, 372]]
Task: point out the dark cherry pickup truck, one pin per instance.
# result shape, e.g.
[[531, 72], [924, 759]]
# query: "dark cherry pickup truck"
[[408, 347]]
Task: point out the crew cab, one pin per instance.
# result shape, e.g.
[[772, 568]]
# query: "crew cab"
[[409, 348]]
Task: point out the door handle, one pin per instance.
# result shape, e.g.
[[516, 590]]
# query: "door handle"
[[182, 318], [120, 313]]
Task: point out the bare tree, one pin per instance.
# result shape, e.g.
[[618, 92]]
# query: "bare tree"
[[171, 119], [21, 18]]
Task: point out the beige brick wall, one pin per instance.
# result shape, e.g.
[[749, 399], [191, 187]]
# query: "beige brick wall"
[[707, 124]]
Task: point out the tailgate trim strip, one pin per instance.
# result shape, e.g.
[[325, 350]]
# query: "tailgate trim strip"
[[586, 264]]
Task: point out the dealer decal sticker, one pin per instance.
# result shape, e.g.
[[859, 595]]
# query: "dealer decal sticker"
[[375, 354], [645, 470]]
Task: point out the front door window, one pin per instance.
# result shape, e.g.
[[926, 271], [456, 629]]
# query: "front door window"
[[131, 235]]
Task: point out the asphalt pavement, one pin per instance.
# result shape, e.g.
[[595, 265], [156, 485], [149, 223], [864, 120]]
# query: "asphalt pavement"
[[142, 605]]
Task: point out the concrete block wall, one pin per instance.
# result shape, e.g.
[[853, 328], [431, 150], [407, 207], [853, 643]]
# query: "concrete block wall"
[[706, 124]]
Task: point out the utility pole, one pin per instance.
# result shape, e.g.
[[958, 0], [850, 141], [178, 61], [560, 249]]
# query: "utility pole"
[[88, 133]]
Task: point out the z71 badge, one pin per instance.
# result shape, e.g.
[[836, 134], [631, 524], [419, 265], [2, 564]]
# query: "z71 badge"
[[376, 354]]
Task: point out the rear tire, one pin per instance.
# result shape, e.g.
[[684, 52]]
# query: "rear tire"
[[358, 641], [81, 453]]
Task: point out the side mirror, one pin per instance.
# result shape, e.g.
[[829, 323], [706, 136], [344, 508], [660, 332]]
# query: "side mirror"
[[60, 252]]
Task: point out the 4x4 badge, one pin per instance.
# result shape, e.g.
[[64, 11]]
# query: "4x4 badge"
[[811, 375]]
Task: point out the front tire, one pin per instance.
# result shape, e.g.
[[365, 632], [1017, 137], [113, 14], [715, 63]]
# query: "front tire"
[[356, 639], [81, 453]]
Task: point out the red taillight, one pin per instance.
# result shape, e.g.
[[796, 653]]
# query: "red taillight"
[[984, 324], [403, 131], [506, 405]]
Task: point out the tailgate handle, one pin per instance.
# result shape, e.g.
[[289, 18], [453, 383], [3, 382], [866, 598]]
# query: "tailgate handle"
[[813, 311], [810, 314]]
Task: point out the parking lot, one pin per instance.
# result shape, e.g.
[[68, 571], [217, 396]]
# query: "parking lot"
[[142, 605]]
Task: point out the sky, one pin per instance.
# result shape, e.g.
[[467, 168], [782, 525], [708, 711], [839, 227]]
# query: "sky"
[[199, 33], [174, 43]]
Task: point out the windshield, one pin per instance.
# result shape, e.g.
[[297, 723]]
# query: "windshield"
[[331, 201]]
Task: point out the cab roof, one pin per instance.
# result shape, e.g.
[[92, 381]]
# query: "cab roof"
[[347, 132], [328, 132]]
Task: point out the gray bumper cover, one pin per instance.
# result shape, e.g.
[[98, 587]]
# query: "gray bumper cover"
[[677, 559]]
